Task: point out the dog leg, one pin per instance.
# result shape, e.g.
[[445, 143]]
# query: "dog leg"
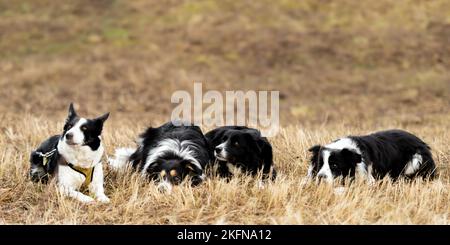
[[71, 192], [370, 178], [366, 172], [68, 183], [96, 186], [309, 177], [224, 171]]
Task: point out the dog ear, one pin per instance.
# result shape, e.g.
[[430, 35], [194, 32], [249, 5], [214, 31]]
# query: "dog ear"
[[72, 113], [264, 152], [102, 118], [315, 149], [192, 168], [99, 121], [254, 142], [215, 136], [351, 157], [314, 161], [195, 173], [267, 158]]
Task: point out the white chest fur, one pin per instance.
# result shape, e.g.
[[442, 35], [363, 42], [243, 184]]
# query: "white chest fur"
[[82, 156]]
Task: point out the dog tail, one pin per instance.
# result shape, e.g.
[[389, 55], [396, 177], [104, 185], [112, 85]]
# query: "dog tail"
[[121, 158]]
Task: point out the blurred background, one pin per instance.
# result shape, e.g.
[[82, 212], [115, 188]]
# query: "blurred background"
[[334, 62]]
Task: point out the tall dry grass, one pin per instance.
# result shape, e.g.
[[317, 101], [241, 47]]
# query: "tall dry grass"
[[288, 200]]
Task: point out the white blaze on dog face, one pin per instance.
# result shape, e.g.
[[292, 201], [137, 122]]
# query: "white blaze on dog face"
[[325, 171], [75, 135]]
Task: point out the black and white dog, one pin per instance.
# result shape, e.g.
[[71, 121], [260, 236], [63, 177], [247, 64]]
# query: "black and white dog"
[[393, 153], [74, 157], [168, 155], [242, 147]]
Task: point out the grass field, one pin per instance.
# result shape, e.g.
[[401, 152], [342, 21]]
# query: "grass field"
[[342, 67]]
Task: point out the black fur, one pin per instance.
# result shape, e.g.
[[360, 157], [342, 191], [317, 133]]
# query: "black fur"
[[152, 137], [388, 152], [246, 149], [43, 173]]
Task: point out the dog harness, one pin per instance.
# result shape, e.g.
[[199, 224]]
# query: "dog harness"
[[88, 173], [46, 156]]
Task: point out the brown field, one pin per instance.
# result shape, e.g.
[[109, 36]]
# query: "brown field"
[[342, 67]]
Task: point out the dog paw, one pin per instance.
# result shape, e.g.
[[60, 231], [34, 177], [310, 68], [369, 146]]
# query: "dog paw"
[[103, 199], [86, 199]]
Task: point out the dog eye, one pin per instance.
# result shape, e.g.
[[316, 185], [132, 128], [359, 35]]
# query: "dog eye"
[[83, 128], [236, 144]]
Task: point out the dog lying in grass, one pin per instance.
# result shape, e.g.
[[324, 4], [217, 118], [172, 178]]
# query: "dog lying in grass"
[[74, 158], [168, 155], [241, 147], [393, 153]]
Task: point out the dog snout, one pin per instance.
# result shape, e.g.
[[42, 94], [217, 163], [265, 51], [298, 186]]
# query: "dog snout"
[[323, 178], [165, 187], [69, 136]]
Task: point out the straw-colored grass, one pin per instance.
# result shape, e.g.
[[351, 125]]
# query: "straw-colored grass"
[[288, 200]]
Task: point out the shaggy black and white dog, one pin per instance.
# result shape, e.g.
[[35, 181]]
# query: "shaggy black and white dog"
[[168, 155], [243, 148], [393, 153], [74, 157]]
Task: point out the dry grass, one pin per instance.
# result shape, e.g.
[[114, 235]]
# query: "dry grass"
[[287, 201], [342, 67]]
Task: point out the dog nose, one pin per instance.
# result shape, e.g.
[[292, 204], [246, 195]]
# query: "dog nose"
[[218, 150], [69, 136]]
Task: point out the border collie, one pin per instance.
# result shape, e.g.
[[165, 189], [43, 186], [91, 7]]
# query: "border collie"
[[393, 153], [74, 157], [241, 147], [168, 155]]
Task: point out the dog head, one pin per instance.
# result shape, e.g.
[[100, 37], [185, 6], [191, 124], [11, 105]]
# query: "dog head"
[[80, 131], [240, 147], [327, 164], [169, 171], [172, 161]]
